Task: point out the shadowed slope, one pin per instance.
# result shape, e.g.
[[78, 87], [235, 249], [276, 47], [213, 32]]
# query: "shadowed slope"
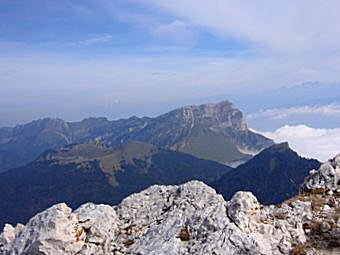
[[273, 175], [91, 172]]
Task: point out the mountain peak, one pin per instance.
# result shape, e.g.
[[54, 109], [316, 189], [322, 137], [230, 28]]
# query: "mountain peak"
[[278, 168], [216, 115], [221, 104], [284, 146], [214, 131], [48, 121]]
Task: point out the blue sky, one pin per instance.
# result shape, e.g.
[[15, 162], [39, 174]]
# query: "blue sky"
[[74, 59], [86, 29]]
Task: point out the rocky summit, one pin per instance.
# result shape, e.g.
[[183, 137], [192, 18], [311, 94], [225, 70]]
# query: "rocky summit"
[[190, 219], [211, 131]]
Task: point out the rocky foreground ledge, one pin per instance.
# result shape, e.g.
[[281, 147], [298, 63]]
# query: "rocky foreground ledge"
[[190, 219]]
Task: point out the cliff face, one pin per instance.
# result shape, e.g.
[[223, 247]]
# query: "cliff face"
[[217, 116], [210, 131], [190, 219]]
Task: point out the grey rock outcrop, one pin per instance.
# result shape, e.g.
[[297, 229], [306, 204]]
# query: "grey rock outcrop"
[[240, 206], [327, 177], [217, 116], [188, 219]]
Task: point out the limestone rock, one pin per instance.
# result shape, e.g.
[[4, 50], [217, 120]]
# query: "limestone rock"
[[327, 177], [95, 226], [240, 206], [8, 235]]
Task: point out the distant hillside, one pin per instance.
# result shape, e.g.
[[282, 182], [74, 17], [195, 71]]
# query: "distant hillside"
[[210, 131], [9, 160], [273, 175], [91, 172]]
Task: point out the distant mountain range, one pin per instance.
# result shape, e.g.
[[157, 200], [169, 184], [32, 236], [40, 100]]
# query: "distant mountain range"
[[90, 172], [102, 161], [210, 131]]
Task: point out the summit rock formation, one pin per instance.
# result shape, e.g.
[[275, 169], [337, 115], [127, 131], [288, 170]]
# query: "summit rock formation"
[[190, 219]]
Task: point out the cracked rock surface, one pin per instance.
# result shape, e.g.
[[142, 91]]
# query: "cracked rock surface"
[[190, 219]]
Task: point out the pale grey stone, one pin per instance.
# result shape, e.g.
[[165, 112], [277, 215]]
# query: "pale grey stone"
[[326, 177]]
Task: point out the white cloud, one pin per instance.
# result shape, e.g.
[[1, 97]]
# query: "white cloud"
[[317, 143], [176, 31], [297, 40], [285, 43], [329, 110], [92, 40], [172, 28], [286, 25], [98, 39]]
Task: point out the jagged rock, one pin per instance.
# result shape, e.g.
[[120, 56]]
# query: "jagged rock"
[[96, 225], [327, 177], [8, 235], [187, 219], [164, 211], [240, 206]]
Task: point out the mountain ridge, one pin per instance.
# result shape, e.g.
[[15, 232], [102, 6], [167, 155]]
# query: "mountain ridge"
[[92, 172], [273, 175], [209, 131]]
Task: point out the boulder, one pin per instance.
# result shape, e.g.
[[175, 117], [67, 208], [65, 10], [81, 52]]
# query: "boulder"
[[241, 205], [326, 178]]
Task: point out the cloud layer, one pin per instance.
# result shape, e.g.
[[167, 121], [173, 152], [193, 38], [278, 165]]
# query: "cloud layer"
[[321, 144], [288, 42], [289, 26], [331, 110], [322, 116]]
